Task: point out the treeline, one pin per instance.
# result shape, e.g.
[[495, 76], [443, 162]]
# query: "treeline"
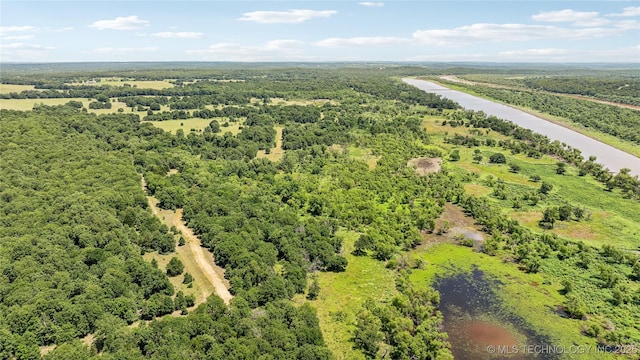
[[409, 327], [624, 91]]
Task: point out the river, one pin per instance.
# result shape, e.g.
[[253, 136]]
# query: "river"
[[607, 155]]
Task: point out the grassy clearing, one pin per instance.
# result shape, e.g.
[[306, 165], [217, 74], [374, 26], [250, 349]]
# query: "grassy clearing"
[[527, 295], [612, 219], [27, 104], [142, 84], [201, 288], [277, 152], [342, 295], [9, 88], [195, 123], [476, 189], [358, 153], [281, 101]]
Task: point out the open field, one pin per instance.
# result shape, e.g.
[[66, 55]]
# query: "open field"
[[195, 123], [280, 101], [277, 152], [612, 219], [27, 104], [142, 84], [342, 295], [9, 88]]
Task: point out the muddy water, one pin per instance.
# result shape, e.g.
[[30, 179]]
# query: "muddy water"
[[607, 155], [478, 324]]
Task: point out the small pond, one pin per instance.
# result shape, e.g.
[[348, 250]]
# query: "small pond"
[[478, 324]]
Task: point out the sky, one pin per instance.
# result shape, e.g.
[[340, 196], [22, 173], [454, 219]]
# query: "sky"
[[320, 31]]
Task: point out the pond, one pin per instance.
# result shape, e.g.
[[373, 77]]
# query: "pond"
[[478, 325]]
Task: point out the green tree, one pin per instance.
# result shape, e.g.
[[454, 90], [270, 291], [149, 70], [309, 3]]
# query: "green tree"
[[367, 335], [455, 155], [174, 267], [497, 158], [188, 278], [545, 188], [561, 168], [314, 288]]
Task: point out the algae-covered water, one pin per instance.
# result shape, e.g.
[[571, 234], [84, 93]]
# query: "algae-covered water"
[[479, 326]]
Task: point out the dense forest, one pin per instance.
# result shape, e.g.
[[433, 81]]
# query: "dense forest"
[[76, 220]]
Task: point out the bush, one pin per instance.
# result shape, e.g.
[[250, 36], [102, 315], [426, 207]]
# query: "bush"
[[174, 267], [497, 158], [188, 278]]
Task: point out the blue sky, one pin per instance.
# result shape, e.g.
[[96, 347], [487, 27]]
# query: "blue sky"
[[502, 31]]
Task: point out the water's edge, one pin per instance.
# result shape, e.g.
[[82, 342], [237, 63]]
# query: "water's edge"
[[612, 158]]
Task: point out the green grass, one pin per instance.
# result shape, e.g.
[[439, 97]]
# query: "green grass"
[[9, 88], [27, 104], [142, 84], [277, 152], [199, 124], [614, 219], [342, 295], [531, 296]]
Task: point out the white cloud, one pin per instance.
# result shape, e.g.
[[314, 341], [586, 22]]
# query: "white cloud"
[[449, 57], [269, 51], [371, 3], [63, 29], [25, 46], [532, 52], [18, 37], [363, 41], [180, 35], [629, 11], [628, 25], [120, 23], [597, 21], [112, 50], [506, 32], [13, 29], [566, 15], [293, 16], [23, 51]]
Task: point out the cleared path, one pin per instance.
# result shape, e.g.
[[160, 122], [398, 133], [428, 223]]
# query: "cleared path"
[[612, 158], [194, 253]]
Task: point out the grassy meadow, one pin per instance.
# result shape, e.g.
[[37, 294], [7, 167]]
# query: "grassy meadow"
[[342, 295]]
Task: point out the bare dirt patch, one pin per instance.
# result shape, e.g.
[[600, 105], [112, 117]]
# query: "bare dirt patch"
[[425, 165], [452, 226]]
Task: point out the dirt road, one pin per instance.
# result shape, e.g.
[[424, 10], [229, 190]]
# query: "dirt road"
[[203, 258], [193, 253]]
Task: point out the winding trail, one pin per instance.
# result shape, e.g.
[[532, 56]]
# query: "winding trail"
[[194, 255]]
